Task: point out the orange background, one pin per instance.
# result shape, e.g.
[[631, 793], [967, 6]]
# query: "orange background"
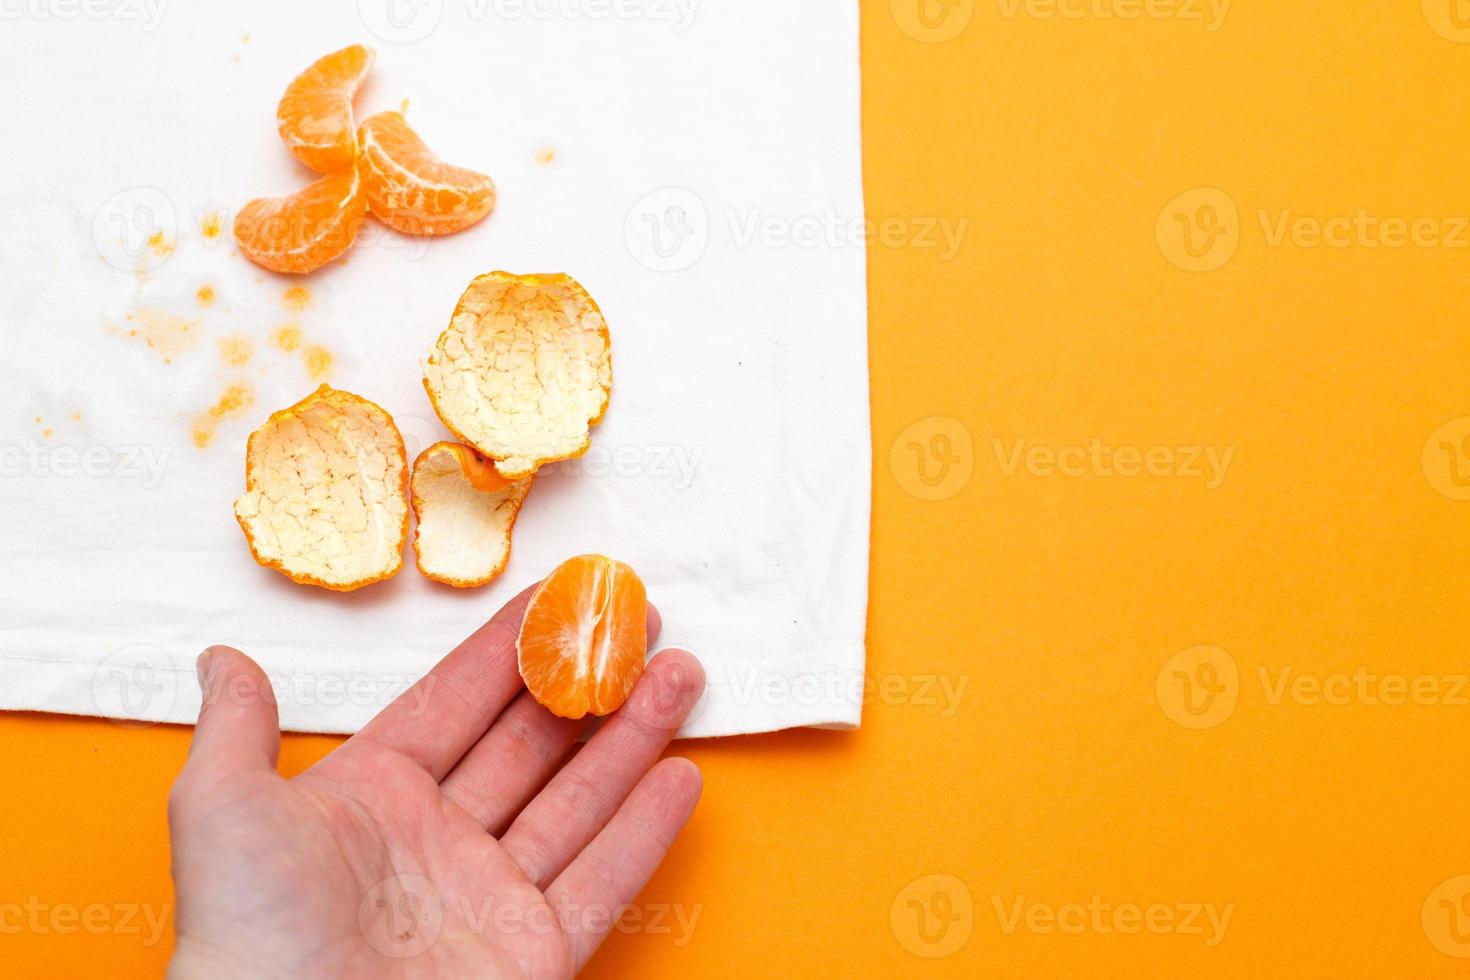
[[1084, 762]]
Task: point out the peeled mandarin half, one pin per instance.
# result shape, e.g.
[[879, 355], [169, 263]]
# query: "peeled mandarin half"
[[326, 492], [305, 231], [583, 640], [466, 512], [523, 370], [314, 117], [409, 188]]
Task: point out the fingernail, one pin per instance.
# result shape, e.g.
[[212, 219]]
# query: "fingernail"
[[202, 667]]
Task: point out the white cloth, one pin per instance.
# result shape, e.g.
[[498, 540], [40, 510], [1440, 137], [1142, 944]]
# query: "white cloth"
[[703, 184]]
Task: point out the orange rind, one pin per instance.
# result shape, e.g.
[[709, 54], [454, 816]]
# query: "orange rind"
[[314, 116], [523, 370], [326, 492], [409, 188], [584, 637], [466, 512], [305, 231]]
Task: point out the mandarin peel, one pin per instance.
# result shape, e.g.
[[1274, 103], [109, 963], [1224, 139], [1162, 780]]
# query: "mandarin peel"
[[326, 492], [314, 116], [523, 371], [583, 640], [466, 514]]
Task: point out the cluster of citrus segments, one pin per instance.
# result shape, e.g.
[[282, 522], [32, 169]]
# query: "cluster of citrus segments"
[[382, 168], [520, 375]]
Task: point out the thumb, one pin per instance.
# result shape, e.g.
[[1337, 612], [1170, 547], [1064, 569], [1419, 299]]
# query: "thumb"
[[238, 727]]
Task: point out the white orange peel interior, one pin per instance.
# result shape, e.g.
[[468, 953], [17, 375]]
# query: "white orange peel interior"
[[326, 492], [466, 512], [523, 371]]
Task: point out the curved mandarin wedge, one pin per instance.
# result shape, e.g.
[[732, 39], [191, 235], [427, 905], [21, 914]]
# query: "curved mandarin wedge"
[[409, 188], [466, 511], [523, 370], [583, 641], [314, 116], [302, 232], [326, 492]]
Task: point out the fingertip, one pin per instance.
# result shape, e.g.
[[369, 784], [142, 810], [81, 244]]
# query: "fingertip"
[[655, 624], [686, 772], [682, 668]]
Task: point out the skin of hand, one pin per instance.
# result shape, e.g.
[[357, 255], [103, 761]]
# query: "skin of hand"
[[456, 834]]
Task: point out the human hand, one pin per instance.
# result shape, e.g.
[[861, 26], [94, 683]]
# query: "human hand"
[[451, 836]]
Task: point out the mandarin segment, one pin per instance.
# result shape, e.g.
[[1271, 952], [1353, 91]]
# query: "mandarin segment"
[[326, 492], [314, 116], [409, 188], [582, 643], [305, 231], [466, 512], [523, 371]]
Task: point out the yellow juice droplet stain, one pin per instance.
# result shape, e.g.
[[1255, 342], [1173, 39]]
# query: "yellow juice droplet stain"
[[296, 298], [545, 156], [211, 224], [318, 362], [234, 400], [160, 244], [236, 351], [286, 338], [205, 295], [167, 333]]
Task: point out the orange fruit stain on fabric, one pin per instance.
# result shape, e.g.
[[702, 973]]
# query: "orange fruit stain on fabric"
[[409, 188], [234, 400], [306, 230], [318, 362], [236, 351], [314, 116], [296, 298], [205, 295], [211, 224], [167, 333], [582, 643], [286, 338]]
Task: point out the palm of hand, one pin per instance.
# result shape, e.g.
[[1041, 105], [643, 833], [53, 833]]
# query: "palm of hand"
[[383, 858]]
